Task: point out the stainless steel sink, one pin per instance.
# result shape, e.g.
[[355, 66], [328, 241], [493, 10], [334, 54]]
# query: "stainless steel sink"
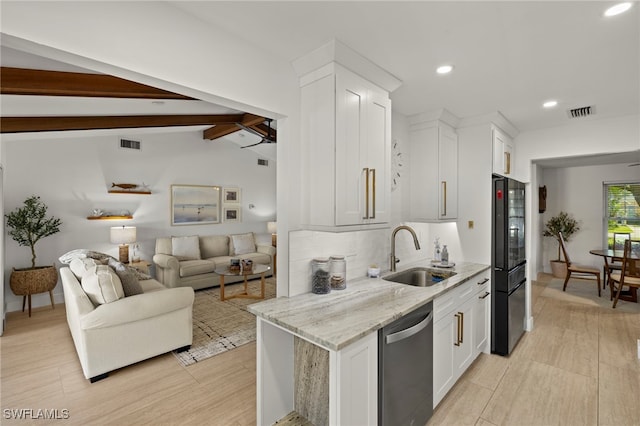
[[419, 277]]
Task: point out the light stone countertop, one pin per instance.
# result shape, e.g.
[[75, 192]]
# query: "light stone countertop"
[[342, 317]]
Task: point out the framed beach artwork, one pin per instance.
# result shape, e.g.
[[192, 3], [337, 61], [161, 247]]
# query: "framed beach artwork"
[[195, 204], [231, 195], [232, 214]]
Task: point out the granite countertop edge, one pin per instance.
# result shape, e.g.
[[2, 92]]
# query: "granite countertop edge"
[[335, 320]]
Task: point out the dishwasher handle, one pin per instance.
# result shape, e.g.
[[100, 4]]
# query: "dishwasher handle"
[[408, 332]]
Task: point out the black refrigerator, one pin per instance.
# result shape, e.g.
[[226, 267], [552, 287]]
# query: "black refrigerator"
[[508, 264]]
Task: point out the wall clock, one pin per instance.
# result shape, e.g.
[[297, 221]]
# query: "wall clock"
[[396, 164]]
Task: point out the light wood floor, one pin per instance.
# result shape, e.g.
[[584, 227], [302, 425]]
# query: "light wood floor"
[[578, 367]]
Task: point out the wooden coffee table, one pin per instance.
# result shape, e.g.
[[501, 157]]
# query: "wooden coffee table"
[[256, 270]]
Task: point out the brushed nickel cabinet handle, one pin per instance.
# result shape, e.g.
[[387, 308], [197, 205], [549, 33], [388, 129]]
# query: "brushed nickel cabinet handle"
[[483, 281], [458, 340], [486, 293], [461, 327], [366, 193]]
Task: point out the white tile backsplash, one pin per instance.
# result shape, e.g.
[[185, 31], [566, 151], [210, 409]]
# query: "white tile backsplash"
[[363, 248]]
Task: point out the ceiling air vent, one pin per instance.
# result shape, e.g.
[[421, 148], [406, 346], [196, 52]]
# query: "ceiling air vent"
[[582, 111], [130, 144], [263, 162]]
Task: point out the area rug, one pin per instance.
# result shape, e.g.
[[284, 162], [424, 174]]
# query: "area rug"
[[584, 291], [222, 326]]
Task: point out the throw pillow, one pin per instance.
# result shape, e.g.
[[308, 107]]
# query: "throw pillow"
[[243, 244], [186, 248], [102, 285], [84, 253], [130, 284], [79, 266]]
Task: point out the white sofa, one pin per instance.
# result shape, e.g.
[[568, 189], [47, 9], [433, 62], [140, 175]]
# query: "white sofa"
[[191, 261], [129, 329]]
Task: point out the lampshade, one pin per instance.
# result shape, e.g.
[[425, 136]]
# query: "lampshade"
[[272, 227], [123, 234]]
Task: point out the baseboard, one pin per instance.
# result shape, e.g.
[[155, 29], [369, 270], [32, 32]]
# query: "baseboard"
[[37, 301]]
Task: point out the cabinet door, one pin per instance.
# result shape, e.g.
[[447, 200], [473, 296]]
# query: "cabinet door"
[[481, 321], [448, 174], [464, 351], [378, 157], [350, 191], [357, 372], [502, 153], [424, 174], [444, 337]]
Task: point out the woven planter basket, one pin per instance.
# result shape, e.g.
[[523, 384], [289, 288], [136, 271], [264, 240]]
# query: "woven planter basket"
[[24, 282]]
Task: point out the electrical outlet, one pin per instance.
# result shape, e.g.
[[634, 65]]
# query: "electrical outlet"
[[470, 224]]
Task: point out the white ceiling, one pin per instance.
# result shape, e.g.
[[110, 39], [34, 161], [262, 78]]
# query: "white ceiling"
[[509, 56]]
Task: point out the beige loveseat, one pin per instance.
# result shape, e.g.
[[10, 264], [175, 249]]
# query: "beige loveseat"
[[111, 330], [191, 261]]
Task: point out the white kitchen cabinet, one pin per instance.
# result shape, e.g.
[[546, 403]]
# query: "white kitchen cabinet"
[[434, 172], [460, 333], [346, 139], [502, 153], [356, 401], [482, 316]]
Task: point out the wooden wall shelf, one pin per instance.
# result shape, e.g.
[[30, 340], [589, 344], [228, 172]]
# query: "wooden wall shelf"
[[124, 191], [110, 217]]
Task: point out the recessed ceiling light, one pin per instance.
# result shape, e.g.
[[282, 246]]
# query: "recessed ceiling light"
[[550, 104], [617, 9], [444, 69]]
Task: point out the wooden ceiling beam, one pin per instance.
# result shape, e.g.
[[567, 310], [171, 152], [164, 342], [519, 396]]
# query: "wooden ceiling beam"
[[221, 130], [53, 123], [22, 81]]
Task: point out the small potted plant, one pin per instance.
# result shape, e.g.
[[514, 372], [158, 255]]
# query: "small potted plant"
[[27, 225], [561, 223]]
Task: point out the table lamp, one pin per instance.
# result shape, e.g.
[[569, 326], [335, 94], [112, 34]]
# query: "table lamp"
[[123, 235], [272, 229]]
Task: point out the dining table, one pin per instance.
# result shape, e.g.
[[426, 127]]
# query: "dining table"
[[617, 255]]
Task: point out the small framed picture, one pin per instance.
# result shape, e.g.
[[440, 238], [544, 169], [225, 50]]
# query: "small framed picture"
[[231, 196], [231, 214]]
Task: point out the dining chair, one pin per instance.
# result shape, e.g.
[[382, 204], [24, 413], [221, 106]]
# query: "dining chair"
[[615, 264], [630, 274], [578, 269]]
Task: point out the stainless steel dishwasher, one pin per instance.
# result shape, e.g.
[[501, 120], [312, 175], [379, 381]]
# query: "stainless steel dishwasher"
[[405, 369]]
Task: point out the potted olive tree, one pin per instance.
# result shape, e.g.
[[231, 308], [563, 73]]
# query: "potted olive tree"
[[565, 223], [27, 225]]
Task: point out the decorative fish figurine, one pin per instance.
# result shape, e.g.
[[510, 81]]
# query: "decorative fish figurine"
[[124, 185]]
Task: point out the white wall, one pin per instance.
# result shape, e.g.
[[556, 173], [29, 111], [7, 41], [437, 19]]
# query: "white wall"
[[578, 190], [73, 175], [167, 48]]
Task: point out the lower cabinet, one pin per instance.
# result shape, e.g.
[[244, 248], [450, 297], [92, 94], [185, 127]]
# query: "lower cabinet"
[[460, 332]]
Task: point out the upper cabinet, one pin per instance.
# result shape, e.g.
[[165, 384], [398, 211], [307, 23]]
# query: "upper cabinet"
[[502, 153], [346, 143], [434, 172]]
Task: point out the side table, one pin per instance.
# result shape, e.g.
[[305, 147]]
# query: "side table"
[[141, 265]]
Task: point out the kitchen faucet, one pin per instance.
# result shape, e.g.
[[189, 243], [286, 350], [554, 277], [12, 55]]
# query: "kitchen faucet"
[[394, 259]]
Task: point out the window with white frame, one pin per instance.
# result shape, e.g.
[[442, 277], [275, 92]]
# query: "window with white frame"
[[622, 213]]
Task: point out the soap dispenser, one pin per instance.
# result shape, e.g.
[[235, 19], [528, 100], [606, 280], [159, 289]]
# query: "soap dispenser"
[[445, 255], [436, 249]]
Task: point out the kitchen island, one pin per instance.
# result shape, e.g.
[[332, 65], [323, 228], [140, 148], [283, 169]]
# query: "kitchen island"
[[317, 354]]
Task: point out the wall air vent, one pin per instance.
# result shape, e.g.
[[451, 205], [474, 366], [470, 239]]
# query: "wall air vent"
[[582, 111], [263, 162], [130, 144]]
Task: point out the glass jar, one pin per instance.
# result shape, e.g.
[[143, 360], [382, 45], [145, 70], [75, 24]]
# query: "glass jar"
[[320, 283], [338, 272]]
